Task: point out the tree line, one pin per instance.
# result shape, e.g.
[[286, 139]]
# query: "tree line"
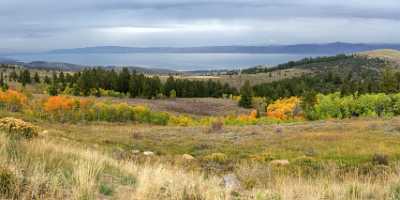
[[90, 81], [387, 81], [291, 64]]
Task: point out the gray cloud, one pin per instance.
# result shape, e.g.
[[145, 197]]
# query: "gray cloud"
[[47, 24]]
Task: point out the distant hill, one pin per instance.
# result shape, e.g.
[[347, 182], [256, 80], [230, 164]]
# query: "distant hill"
[[328, 48], [53, 65], [385, 54], [44, 65]]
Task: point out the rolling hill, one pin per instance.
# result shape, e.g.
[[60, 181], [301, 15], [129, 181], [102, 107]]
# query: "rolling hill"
[[385, 54]]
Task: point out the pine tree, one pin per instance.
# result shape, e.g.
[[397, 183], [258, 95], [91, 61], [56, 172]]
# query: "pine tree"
[[25, 77], [46, 79], [124, 80], [246, 95], [13, 76], [169, 86], [36, 78], [53, 89]]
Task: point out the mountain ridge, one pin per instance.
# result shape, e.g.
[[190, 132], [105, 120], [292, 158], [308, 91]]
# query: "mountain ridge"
[[323, 48]]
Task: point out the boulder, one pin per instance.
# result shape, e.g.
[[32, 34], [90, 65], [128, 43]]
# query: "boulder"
[[187, 157], [231, 182], [135, 151], [279, 162], [148, 153]]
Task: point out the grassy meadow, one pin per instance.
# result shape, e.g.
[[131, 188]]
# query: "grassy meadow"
[[335, 159]]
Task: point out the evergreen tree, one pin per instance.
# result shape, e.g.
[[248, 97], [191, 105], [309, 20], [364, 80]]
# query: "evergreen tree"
[[13, 76], [124, 80], [389, 82], [246, 95], [53, 89], [46, 79], [169, 86], [25, 77], [36, 78]]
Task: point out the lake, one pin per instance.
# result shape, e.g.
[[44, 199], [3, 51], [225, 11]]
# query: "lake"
[[175, 61]]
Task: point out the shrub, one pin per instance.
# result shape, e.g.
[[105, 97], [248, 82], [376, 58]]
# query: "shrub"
[[216, 126], [284, 109], [111, 93], [263, 157], [58, 104], [60, 107], [172, 94], [307, 165], [159, 118], [12, 100], [181, 120], [220, 158], [380, 159], [18, 128]]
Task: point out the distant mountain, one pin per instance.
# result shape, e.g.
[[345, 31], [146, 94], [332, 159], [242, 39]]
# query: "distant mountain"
[[9, 61], [328, 48]]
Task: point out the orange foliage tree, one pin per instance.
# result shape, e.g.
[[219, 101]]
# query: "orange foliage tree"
[[284, 109]]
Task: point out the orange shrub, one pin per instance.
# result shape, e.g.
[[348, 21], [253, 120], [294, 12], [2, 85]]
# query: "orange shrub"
[[284, 109], [59, 103], [12, 100]]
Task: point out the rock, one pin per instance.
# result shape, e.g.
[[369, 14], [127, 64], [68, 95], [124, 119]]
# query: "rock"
[[135, 151], [45, 132], [148, 153], [187, 157], [278, 130], [231, 182], [279, 162]]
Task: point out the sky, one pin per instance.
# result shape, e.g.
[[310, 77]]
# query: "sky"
[[40, 25]]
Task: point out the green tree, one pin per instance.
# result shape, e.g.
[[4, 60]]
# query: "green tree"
[[53, 89], [389, 82], [246, 95], [36, 78], [25, 77], [169, 86], [46, 79]]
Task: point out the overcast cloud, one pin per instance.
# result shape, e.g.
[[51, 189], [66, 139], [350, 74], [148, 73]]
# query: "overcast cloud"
[[37, 25]]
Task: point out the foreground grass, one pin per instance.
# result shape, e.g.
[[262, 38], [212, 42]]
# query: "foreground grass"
[[328, 160]]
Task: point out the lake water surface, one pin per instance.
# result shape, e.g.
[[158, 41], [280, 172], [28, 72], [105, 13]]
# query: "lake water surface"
[[192, 61]]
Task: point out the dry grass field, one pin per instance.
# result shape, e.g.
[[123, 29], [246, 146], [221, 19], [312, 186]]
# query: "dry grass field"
[[189, 106]]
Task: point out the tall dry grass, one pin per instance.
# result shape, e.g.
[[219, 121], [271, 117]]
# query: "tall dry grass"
[[45, 168]]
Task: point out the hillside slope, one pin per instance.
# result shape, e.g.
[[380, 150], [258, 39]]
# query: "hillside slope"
[[385, 54]]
